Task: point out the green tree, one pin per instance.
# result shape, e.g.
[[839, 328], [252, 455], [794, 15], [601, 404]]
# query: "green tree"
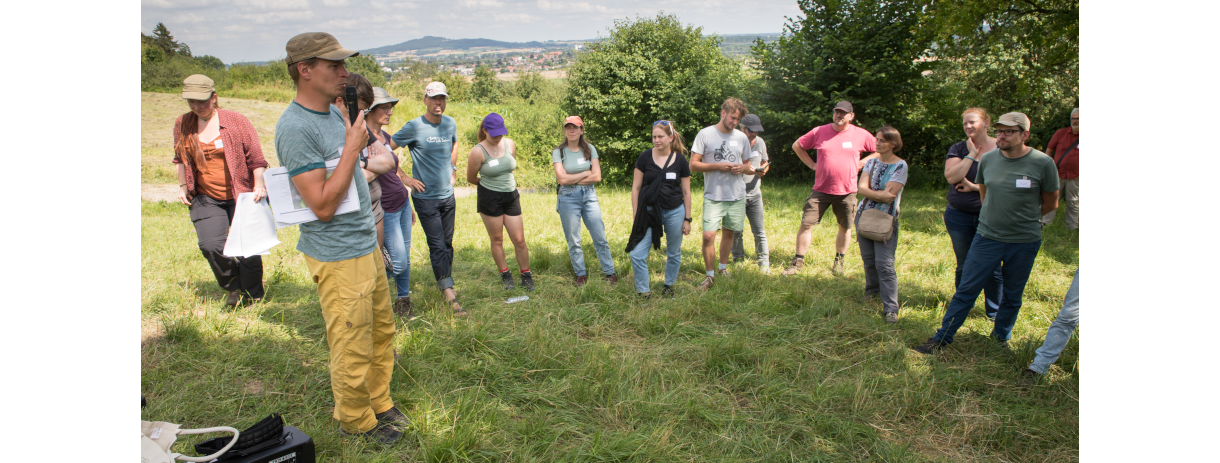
[[210, 62], [367, 66], [529, 84], [456, 86], [646, 70], [869, 52], [486, 88], [1017, 55]]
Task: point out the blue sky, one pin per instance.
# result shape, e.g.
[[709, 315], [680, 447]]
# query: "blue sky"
[[256, 30]]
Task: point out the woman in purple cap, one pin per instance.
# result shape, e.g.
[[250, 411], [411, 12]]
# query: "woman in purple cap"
[[490, 166]]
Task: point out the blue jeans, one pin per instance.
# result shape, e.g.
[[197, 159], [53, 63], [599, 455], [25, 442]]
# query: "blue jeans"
[[673, 250], [576, 202], [879, 275], [961, 227], [1061, 329], [398, 244], [1015, 260]]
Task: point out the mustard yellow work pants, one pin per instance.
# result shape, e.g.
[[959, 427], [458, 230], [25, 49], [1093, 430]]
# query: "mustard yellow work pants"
[[359, 330]]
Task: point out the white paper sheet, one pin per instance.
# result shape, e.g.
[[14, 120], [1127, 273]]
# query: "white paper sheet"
[[253, 229], [287, 204]]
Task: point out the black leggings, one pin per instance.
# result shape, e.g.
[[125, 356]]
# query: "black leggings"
[[212, 218]]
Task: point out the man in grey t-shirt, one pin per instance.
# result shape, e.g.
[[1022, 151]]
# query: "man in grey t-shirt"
[[722, 153], [339, 249], [759, 165]]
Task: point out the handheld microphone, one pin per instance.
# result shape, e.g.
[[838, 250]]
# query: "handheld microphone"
[[353, 109]]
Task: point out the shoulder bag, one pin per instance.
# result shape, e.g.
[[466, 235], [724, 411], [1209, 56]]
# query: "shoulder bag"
[[874, 223]]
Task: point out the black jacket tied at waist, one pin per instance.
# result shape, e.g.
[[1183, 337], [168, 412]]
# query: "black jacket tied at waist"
[[646, 219]]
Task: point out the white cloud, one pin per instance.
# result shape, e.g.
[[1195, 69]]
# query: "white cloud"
[[546, 5], [334, 3]]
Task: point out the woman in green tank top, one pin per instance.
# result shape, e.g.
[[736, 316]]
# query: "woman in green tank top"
[[490, 166]]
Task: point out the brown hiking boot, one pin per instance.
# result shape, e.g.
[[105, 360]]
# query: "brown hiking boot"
[[706, 285], [797, 264], [402, 307], [581, 280]]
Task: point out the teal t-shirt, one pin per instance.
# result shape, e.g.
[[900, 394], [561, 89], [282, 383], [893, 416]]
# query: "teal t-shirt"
[[1013, 203], [304, 141], [574, 161], [496, 174], [431, 146]]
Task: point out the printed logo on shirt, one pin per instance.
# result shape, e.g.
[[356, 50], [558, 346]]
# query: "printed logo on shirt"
[[723, 153], [439, 139]]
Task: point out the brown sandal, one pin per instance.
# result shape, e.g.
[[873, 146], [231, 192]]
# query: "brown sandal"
[[459, 311]]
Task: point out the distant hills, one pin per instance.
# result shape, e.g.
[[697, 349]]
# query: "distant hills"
[[732, 44], [439, 43]]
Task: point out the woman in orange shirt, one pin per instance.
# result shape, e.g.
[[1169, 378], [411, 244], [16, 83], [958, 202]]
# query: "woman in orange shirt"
[[219, 157]]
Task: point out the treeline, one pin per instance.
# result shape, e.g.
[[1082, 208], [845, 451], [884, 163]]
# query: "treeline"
[[913, 64]]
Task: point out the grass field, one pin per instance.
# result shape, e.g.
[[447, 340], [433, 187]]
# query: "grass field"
[[761, 368]]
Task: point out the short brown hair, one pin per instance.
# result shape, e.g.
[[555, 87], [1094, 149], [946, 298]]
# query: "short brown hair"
[[733, 105], [364, 89], [981, 112], [890, 135], [295, 73]]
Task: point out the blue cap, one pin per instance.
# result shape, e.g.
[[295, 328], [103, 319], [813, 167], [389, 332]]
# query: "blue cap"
[[494, 125]]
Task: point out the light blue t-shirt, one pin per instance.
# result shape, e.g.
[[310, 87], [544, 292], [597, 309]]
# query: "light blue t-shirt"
[[431, 146], [304, 141], [574, 162]]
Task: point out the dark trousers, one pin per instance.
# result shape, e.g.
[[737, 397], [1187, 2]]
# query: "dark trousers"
[[1015, 261], [962, 227], [212, 218], [436, 218]]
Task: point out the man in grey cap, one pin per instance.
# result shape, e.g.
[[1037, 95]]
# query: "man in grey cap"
[[340, 250], [1017, 189], [759, 165]]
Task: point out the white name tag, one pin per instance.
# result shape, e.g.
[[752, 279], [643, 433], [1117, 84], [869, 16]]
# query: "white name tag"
[[493, 162], [671, 176], [219, 143], [733, 143], [1023, 183], [581, 161], [756, 154], [846, 144]]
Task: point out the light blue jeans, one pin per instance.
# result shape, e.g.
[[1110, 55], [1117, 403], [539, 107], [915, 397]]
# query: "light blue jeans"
[[1061, 329], [673, 250], [576, 202], [398, 244]]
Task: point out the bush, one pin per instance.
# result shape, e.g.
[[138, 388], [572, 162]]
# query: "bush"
[[646, 70]]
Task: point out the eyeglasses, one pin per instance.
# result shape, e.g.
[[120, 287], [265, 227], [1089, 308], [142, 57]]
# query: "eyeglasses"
[[1075, 118], [661, 122], [1008, 132], [389, 107], [194, 103]]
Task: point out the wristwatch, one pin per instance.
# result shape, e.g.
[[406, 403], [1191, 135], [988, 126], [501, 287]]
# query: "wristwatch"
[[687, 219], [455, 168]]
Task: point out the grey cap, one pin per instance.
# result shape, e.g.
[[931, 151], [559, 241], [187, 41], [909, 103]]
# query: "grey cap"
[[844, 105], [1013, 120], [751, 122], [380, 96]]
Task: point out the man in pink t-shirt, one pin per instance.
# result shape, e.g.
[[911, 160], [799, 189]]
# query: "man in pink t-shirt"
[[839, 146]]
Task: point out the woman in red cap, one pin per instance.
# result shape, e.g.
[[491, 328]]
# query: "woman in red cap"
[[577, 170], [218, 157], [490, 166]]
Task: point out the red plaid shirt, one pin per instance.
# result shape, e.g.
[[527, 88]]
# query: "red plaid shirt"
[[243, 153]]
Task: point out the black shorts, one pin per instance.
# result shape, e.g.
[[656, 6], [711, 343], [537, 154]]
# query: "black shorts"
[[498, 203]]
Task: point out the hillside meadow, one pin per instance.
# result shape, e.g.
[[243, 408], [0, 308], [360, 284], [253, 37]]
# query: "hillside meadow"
[[760, 368]]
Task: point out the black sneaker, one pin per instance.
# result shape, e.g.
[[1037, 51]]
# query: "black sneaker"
[[929, 346], [506, 277], [1029, 377], [527, 280], [668, 291], [383, 433], [394, 417], [644, 296], [234, 298]]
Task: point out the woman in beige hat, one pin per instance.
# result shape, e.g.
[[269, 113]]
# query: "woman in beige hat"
[[219, 157], [396, 201]]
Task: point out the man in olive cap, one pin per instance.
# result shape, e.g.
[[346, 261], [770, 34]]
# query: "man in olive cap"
[[340, 250], [1017, 189]]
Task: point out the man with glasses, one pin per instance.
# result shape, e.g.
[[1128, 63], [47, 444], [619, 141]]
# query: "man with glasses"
[[722, 153], [1016, 189], [839, 146], [1063, 147]]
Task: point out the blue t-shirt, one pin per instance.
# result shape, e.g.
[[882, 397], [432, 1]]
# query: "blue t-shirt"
[[304, 141], [431, 146]]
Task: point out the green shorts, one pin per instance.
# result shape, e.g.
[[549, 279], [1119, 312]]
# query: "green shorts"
[[731, 213]]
